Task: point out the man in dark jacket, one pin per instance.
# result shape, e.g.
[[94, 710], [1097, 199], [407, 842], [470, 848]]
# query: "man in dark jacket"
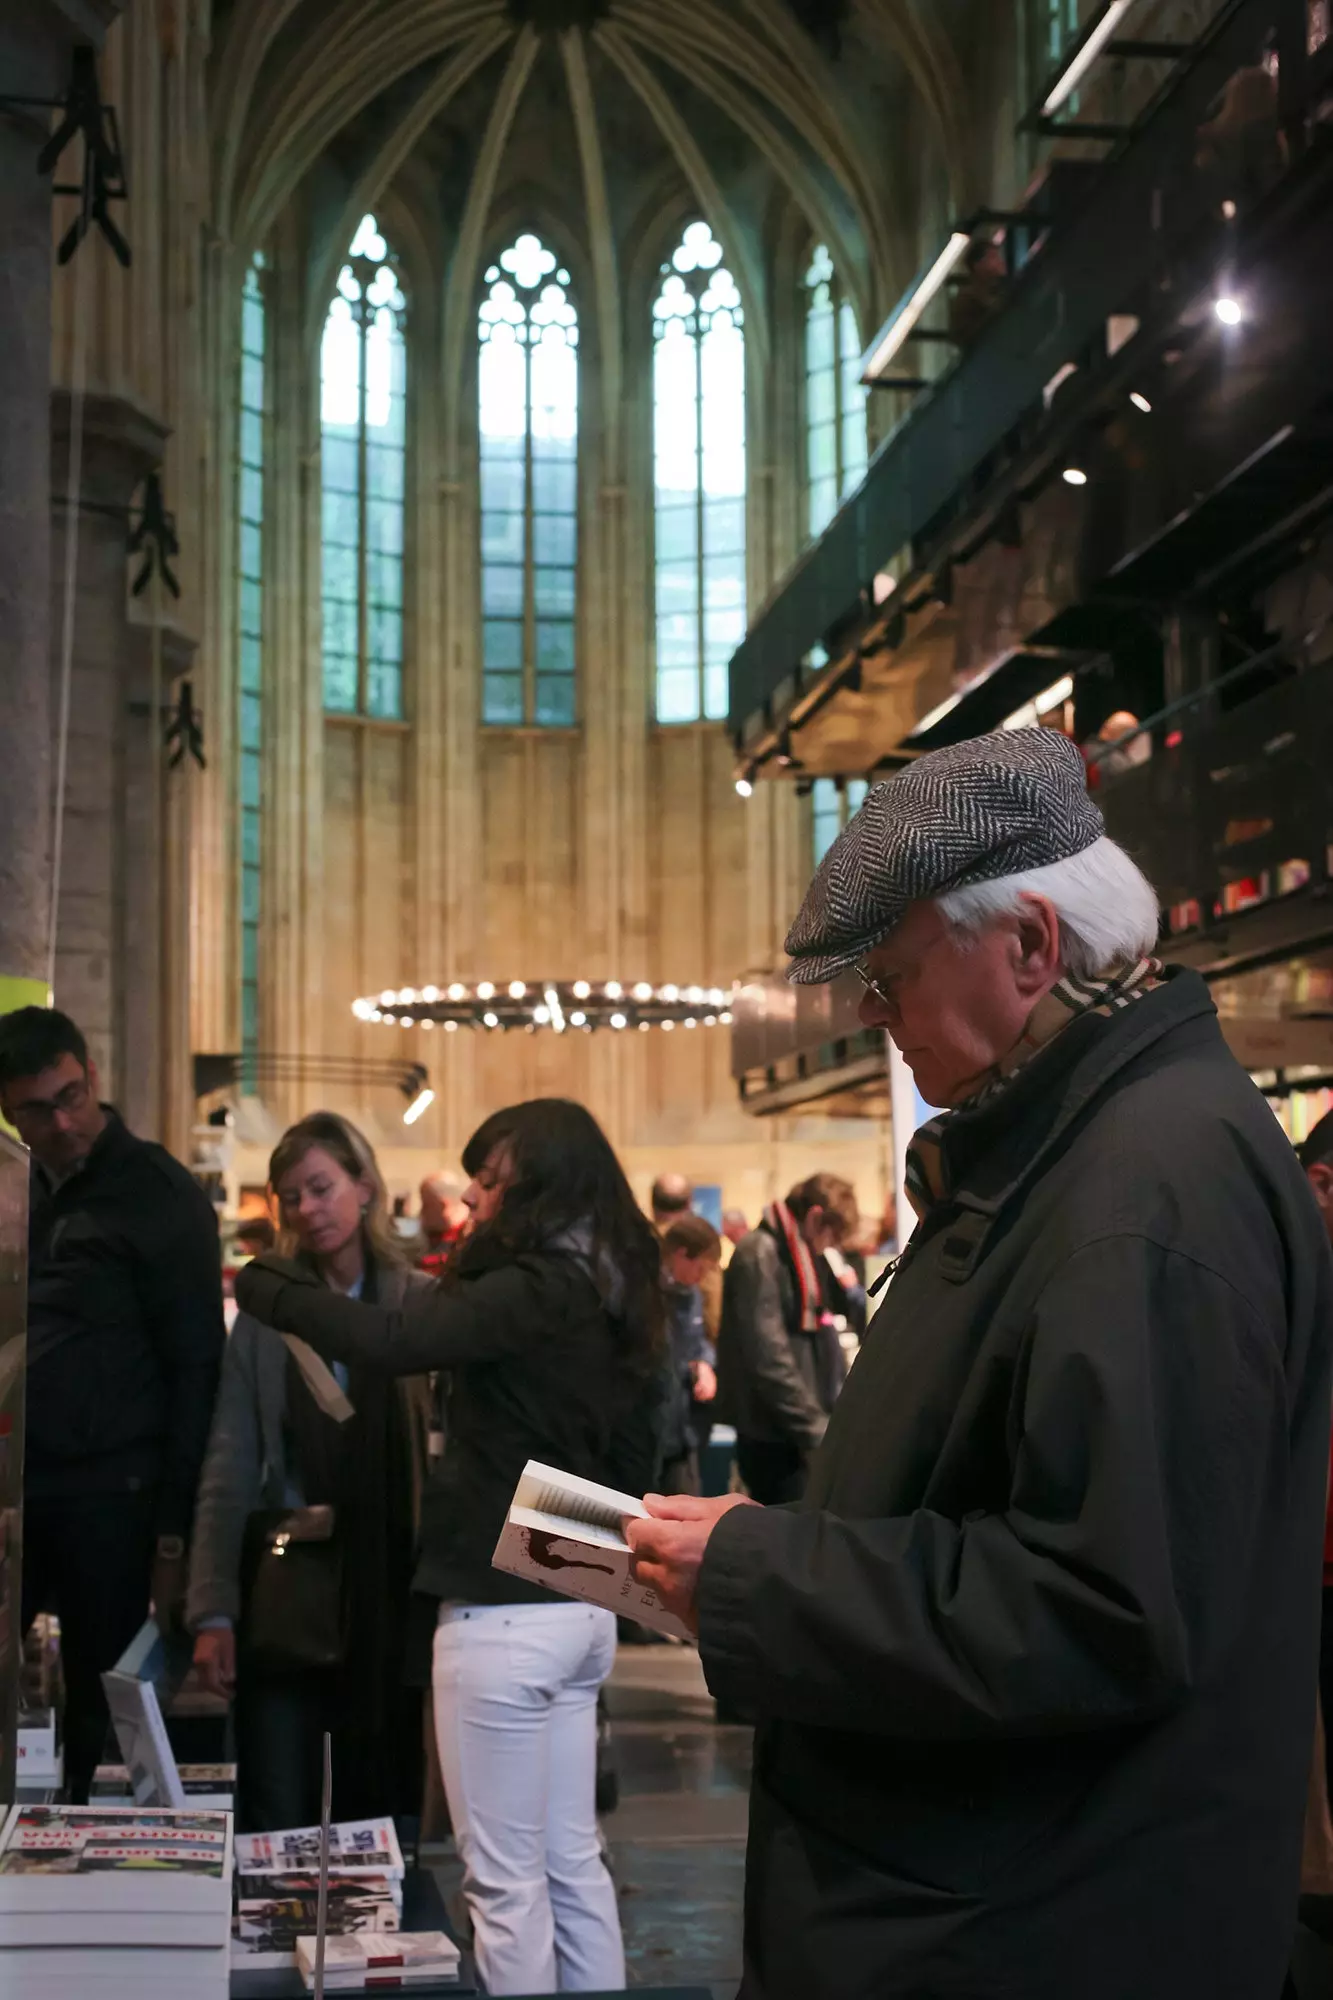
[[1034, 1664], [780, 1363], [691, 1247], [125, 1337]]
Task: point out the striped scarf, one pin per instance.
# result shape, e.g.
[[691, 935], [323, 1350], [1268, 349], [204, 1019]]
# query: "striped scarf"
[[784, 1226], [927, 1176]]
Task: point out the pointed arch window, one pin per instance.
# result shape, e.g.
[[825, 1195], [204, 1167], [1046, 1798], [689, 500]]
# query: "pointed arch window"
[[835, 401], [699, 478], [528, 426], [251, 405], [363, 408]]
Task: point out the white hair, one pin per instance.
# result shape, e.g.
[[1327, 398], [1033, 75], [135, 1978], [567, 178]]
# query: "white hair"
[[1107, 907]]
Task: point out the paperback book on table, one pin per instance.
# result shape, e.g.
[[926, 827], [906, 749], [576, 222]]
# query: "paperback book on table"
[[372, 1963], [273, 1912], [355, 1845], [568, 1535], [114, 1903]]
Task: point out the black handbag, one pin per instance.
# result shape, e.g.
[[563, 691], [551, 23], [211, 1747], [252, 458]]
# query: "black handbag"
[[293, 1596]]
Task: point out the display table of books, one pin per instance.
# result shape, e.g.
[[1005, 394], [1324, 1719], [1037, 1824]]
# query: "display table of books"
[[124, 1903]]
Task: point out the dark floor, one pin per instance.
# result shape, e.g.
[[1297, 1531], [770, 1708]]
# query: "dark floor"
[[677, 1838]]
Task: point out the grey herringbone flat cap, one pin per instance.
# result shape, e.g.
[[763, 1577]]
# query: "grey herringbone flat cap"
[[994, 806]]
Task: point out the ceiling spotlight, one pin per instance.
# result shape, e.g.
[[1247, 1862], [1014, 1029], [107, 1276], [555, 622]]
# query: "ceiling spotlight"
[[1074, 475], [1229, 210], [389, 998], [423, 1100], [485, 991], [490, 1020], [1228, 310], [619, 1021], [725, 1019], [691, 1023], [516, 989], [671, 994], [1140, 402], [614, 989], [645, 1027], [578, 1020], [430, 994], [744, 788], [582, 990], [643, 991], [457, 991], [541, 1015], [667, 1026], [451, 1027]]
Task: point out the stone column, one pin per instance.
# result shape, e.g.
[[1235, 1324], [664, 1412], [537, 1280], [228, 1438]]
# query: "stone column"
[[109, 921], [32, 58]]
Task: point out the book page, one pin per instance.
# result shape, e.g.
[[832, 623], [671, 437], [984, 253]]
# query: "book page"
[[569, 1498], [590, 1533]]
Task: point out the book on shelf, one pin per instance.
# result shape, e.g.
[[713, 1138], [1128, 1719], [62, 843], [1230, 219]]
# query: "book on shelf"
[[114, 1875], [274, 1911], [371, 1962], [355, 1844], [202, 1784], [568, 1534]]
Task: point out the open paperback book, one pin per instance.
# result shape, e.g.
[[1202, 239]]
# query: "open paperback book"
[[568, 1535]]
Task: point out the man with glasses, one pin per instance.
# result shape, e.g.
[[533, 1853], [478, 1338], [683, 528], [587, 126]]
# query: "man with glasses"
[[125, 1338], [1033, 1662]]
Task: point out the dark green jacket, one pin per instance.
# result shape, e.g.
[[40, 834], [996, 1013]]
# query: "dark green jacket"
[[1034, 1662]]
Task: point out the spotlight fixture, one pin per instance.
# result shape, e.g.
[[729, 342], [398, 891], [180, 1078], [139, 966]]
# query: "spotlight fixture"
[[1228, 310], [1074, 475], [423, 1100], [1140, 402], [745, 783]]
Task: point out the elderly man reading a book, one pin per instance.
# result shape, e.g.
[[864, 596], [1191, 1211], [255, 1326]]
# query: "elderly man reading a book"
[[1033, 1662]]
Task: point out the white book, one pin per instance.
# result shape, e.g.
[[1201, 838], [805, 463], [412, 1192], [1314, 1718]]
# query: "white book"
[[568, 1534], [386, 1959], [105, 1869], [370, 1844], [131, 1692], [114, 1973]]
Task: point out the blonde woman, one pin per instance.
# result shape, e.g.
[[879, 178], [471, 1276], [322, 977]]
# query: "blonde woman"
[[283, 1440]]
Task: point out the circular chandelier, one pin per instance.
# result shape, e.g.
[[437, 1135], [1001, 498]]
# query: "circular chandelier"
[[565, 1006]]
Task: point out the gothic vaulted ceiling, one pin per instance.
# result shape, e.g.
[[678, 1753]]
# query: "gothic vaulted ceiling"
[[824, 106]]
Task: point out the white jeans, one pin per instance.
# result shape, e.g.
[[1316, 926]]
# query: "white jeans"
[[515, 1693]]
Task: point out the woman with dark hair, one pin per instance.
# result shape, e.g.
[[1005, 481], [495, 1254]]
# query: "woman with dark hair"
[[548, 1318], [298, 1447]]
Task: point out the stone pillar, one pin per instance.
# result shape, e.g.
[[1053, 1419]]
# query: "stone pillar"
[[109, 921], [32, 59]]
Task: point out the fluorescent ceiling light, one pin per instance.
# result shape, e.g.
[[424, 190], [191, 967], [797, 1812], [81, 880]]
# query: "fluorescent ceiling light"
[[909, 312], [1140, 402], [1229, 311], [1029, 716], [1085, 56], [1074, 475], [423, 1100]]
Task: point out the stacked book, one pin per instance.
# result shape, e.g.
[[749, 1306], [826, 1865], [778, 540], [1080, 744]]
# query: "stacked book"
[[354, 1964], [277, 1889], [112, 1903]]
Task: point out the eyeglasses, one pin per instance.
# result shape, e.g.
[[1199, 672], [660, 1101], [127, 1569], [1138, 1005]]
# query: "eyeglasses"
[[72, 1098], [873, 986]]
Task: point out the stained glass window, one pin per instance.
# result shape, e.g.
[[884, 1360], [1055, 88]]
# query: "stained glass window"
[[528, 419], [363, 403], [699, 459], [835, 402], [833, 802], [250, 649]]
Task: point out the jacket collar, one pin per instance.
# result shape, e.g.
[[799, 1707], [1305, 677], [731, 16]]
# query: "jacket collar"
[[110, 1141], [998, 1148]]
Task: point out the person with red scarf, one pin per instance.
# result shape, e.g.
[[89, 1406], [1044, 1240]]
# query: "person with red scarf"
[[780, 1362]]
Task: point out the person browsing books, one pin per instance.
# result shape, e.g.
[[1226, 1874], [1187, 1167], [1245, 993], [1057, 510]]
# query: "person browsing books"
[[549, 1319], [290, 1434]]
